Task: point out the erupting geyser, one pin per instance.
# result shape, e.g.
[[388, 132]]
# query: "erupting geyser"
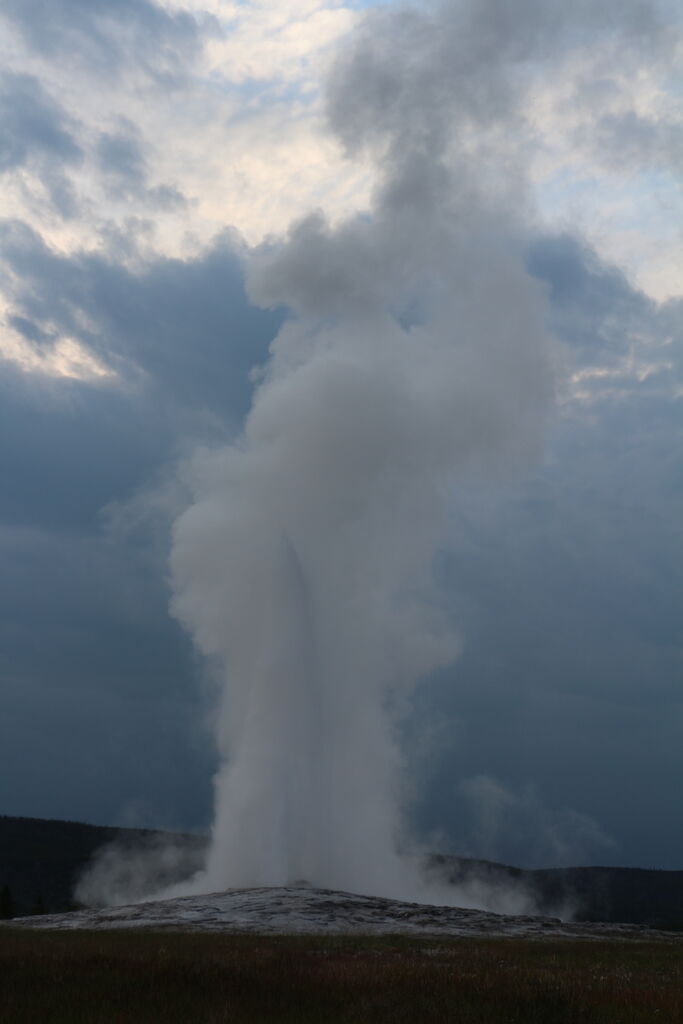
[[415, 351]]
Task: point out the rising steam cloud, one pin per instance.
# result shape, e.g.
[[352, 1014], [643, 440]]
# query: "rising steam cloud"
[[415, 352]]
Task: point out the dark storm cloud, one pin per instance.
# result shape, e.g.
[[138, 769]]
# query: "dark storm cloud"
[[109, 34], [182, 339], [29, 331], [67, 449], [567, 588], [98, 681], [120, 155], [90, 660], [32, 123], [185, 324], [90, 665], [564, 706], [38, 136], [98, 705]]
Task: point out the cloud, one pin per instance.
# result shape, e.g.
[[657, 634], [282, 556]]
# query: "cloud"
[[516, 825], [576, 118], [95, 669], [127, 338], [609, 327], [240, 133], [32, 122], [97, 684], [109, 36], [185, 325], [36, 135], [566, 585], [187, 151], [638, 141], [121, 158], [286, 41]]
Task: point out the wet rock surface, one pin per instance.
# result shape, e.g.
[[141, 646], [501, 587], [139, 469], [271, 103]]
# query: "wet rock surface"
[[300, 911]]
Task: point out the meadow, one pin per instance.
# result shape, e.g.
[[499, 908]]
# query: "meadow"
[[129, 976]]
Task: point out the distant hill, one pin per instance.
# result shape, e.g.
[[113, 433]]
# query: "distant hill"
[[41, 861], [614, 895]]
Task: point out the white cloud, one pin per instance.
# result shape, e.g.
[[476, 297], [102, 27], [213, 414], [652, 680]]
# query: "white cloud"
[[65, 358], [606, 162], [242, 137], [285, 41]]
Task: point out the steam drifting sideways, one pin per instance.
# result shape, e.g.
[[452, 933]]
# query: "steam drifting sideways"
[[415, 352]]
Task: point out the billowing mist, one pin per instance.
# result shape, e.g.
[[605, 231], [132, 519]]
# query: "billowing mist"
[[304, 567], [414, 355]]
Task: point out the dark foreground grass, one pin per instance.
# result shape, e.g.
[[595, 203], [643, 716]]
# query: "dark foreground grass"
[[92, 977]]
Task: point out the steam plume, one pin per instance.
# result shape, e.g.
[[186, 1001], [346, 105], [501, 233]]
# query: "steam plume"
[[415, 351]]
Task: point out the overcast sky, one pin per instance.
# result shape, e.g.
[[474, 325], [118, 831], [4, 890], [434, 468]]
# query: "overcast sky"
[[147, 149]]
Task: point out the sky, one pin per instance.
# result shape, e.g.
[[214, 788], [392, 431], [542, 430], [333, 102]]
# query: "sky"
[[153, 157]]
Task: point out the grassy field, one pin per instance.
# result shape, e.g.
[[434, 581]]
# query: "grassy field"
[[91, 977]]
